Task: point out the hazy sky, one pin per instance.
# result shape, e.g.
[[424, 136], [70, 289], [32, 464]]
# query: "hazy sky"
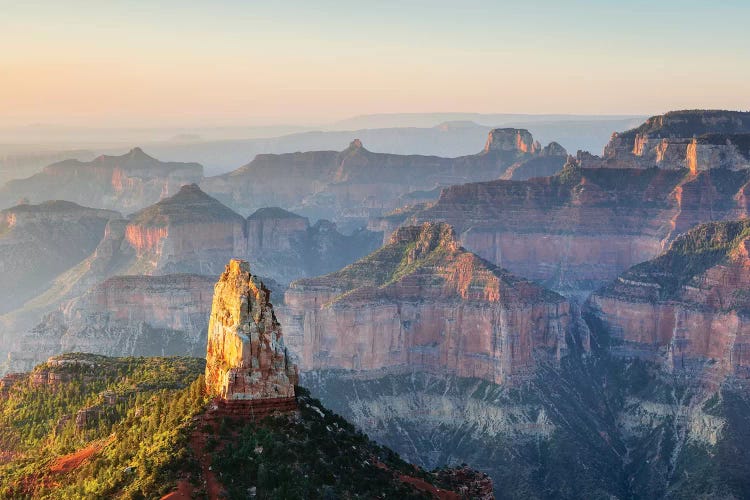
[[153, 63]]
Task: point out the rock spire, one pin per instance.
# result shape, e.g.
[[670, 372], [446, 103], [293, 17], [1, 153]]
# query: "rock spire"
[[246, 356]]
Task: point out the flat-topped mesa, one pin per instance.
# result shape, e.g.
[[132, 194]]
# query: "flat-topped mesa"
[[693, 139], [511, 139], [246, 357]]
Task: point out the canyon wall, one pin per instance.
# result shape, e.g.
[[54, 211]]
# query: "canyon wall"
[[691, 140], [423, 302], [581, 228], [38, 242], [688, 309], [125, 316]]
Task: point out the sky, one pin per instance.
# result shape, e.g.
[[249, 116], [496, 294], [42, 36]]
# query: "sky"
[[229, 63]]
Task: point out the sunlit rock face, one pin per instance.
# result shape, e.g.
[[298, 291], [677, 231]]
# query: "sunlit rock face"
[[423, 302], [350, 186], [125, 183], [692, 140], [688, 309], [246, 357]]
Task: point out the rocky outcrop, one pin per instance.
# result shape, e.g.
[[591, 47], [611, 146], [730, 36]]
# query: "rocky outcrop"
[[350, 186], [246, 357], [38, 242], [688, 309], [579, 229], [423, 302], [124, 183], [693, 140]]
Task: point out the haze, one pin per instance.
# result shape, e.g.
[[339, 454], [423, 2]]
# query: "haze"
[[250, 63]]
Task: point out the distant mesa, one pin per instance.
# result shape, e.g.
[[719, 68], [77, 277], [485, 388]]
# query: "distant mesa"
[[246, 357], [694, 140], [512, 139]]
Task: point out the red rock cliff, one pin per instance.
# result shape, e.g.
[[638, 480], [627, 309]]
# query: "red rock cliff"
[[688, 309], [423, 302], [246, 357], [581, 228]]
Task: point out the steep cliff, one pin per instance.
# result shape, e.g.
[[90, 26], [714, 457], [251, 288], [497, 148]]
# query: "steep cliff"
[[188, 232], [688, 309], [124, 183], [352, 185], [581, 228], [694, 140], [126, 316], [423, 302], [246, 357]]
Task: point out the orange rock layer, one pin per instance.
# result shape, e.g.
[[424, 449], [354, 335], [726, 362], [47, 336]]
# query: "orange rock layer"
[[423, 302], [246, 357]]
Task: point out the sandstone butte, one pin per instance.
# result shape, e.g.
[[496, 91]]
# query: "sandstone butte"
[[424, 303], [246, 357], [688, 309]]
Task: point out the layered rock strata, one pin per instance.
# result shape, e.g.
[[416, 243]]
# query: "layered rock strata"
[[579, 229], [126, 316], [246, 356], [688, 309], [423, 302], [693, 140]]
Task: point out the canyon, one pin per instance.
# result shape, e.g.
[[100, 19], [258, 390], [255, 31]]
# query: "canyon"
[[187, 233]]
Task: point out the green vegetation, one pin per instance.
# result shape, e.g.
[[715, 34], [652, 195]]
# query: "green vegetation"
[[690, 255], [140, 410], [317, 455]]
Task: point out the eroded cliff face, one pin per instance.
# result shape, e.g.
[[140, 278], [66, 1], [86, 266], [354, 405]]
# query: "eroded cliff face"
[[193, 232], [350, 186], [581, 228], [246, 357], [687, 309], [124, 183], [423, 302], [126, 316], [692, 140]]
